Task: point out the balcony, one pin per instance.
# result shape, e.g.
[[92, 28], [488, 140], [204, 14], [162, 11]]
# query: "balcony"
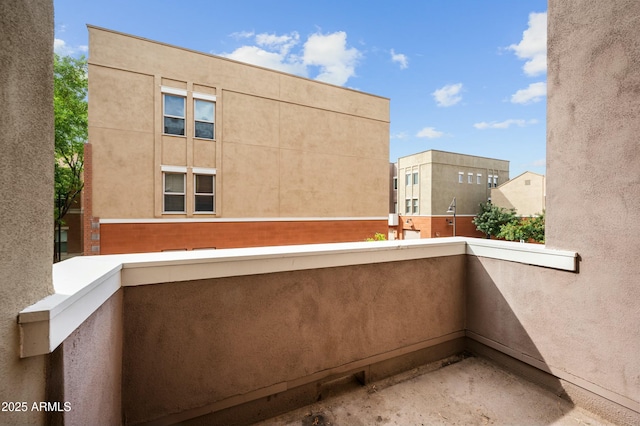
[[240, 335]]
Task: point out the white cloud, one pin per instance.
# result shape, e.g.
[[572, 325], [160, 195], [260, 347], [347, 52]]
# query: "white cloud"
[[63, 49], [504, 124], [242, 34], [448, 95], [430, 133], [329, 53], [400, 58], [400, 135], [534, 93], [533, 46], [264, 58], [539, 163]]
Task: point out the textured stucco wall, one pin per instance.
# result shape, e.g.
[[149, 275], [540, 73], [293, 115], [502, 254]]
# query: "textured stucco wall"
[[284, 146], [188, 345], [584, 324], [86, 369], [26, 173]]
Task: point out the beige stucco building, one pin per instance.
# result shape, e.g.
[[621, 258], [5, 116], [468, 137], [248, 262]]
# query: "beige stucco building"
[[429, 181], [525, 194], [193, 151]]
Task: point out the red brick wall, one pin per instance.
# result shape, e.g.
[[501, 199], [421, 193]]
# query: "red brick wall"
[[150, 237], [90, 225], [434, 227]]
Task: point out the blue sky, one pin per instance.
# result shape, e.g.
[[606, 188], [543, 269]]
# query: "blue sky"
[[464, 76]]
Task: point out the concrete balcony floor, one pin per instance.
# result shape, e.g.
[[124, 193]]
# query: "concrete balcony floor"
[[469, 391]]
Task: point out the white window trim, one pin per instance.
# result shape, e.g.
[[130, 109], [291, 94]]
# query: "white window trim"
[[479, 175], [469, 177], [460, 177], [174, 169], [203, 171], [204, 97], [173, 91]]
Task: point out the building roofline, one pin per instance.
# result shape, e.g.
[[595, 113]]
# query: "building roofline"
[[449, 152], [95, 27], [519, 176]]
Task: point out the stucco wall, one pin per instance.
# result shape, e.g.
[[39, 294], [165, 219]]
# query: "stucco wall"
[[26, 173], [191, 344], [86, 369], [584, 325]]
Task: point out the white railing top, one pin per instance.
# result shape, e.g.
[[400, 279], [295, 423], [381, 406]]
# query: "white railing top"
[[83, 284]]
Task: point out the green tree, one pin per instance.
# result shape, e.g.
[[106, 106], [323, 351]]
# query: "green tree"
[[526, 229], [378, 236], [70, 111], [492, 218]]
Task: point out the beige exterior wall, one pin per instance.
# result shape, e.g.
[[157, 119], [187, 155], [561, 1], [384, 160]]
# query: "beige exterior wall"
[[294, 328], [583, 326], [26, 221], [438, 181], [284, 146], [525, 194]]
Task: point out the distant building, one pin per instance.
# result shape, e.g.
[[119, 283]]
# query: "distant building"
[[525, 194], [429, 181], [192, 151]]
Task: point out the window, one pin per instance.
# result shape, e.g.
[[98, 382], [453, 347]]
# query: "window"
[[407, 206], [174, 114], [489, 180], [479, 181], [460, 177], [174, 192], [470, 178], [204, 113], [407, 178], [63, 240], [395, 182], [415, 178], [415, 206], [495, 181], [204, 193]]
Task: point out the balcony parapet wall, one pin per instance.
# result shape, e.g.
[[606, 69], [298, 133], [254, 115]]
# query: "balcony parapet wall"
[[83, 284]]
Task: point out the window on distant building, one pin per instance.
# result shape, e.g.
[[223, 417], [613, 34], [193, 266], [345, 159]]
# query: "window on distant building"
[[489, 180], [63, 239], [174, 193], [470, 178], [204, 114], [395, 182], [415, 178], [174, 114], [415, 206], [495, 181], [204, 193], [460, 177], [479, 177], [407, 206], [407, 178]]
